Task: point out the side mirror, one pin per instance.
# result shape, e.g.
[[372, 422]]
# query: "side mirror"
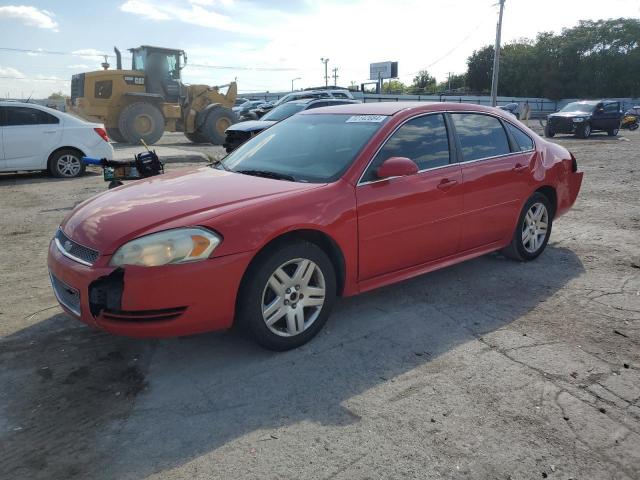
[[397, 167]]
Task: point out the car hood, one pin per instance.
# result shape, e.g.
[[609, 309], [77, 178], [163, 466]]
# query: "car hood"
[[176, 199], [569, 114], [250, 126]]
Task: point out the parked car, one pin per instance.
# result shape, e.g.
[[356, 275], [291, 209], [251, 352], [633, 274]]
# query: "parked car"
[[635, 111], [329, 202], [247, 106], [238, 133], [325, 93], [239, 101], [584, 117], [35, 137]]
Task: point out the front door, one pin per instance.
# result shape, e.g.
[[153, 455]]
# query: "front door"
[[408, 221], [495, 175], [29, 135]]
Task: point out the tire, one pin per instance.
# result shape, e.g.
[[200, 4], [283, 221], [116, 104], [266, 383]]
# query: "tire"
[[141, 121], [195, 137], [217, 121], [115, 135], [548, 132], [583, 131], [613, 133], [66, 163], [288, 329], [521, 249], [633, 126]]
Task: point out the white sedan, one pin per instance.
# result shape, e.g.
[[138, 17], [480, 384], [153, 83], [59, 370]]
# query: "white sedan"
[[33, 137]]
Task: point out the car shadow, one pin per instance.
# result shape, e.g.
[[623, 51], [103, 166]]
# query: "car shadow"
[[84, 404], [21, 178]]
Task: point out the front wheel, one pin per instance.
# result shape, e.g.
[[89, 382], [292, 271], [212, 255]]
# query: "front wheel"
[[533, 231], [583, 131], [287, 296], [548, 132], [217, 121]]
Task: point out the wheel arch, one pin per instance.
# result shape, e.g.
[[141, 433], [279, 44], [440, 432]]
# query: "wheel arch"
[[311, 235], [58, 149], [551, 194]]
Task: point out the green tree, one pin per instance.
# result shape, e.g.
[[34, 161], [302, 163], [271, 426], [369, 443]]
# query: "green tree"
[[479, 70], [423, 83], [394, 86], [57, 96]]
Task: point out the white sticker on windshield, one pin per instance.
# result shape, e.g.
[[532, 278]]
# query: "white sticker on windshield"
[[366, 118]]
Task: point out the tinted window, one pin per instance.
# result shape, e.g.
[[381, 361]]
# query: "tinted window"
[[612, 108], [317, 105], [481, 136], [27, 116], [522, 139], [340, 95], [283, 111], [424, 140]]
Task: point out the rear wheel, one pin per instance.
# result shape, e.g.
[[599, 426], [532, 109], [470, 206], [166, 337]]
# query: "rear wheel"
[[217, 121], [548, 132], [583, 130], [287, 296], [141, 121], [613, 132], [533, 230], [115, 135], [66, 163]]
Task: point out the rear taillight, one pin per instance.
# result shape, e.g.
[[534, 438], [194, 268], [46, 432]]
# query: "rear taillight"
[[102, 132], [574, 163]]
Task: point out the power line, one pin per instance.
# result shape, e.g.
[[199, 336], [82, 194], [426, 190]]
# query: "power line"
[[102, 55]]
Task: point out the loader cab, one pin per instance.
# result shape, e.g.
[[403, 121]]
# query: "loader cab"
[[162, 68]]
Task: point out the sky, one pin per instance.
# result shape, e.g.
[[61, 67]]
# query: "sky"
[[265, 44]]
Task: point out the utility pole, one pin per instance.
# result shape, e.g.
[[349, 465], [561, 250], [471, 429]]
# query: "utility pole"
[[496, 59], [326, 74], [335, 77], [293, 80], [449, 82]]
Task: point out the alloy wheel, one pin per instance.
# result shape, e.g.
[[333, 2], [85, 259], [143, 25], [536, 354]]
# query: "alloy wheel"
[[534, 227], [293, 297], [69, 165]]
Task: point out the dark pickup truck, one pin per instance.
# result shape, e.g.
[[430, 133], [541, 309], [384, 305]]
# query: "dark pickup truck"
[[584, 117]]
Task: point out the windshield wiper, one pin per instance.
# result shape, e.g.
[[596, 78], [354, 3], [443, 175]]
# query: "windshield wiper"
[[267, 174], [219, 162]]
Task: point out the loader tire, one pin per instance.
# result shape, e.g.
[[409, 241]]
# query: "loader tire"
[[141, 121], [195, 137], [217, 121], [115, 135]]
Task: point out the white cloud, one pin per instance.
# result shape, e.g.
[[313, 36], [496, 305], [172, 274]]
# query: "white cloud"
[[195, 13], [88, 53], [30, 16], [79, 66], [10, 72]]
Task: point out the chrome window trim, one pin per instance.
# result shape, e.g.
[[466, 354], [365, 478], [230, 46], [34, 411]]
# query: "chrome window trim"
[[77, 312], [360, 182], [68, 255]]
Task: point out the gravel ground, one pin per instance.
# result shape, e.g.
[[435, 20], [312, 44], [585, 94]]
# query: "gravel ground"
[[488, 369]]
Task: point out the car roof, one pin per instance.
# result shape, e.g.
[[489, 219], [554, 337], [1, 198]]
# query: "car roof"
[[392, 108]]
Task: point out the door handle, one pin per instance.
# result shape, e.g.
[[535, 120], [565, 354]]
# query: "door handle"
[[519, 168], [446, 184]]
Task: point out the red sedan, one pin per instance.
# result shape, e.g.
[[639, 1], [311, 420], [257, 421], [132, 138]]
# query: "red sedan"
[[330, 202]]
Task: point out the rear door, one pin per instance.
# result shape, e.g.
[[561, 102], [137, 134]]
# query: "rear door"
[[612, 115], [495, 177], [29, 135], [407, 221]]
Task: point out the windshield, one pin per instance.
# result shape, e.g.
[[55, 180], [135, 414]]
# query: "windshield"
[[283, 111], [580, 107], [308, 148]]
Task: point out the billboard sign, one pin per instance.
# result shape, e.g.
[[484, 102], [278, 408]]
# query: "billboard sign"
[[383, 70]]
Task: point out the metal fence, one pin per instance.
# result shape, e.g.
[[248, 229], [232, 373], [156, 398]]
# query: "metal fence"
[[539, 107]]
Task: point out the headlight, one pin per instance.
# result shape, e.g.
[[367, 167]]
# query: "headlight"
[[171, 246], [578, 119]]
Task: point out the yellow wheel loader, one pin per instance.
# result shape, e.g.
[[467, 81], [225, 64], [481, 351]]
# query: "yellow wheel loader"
[[142, 103]]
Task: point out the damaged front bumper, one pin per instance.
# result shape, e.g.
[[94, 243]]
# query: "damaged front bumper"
[[171, 300]]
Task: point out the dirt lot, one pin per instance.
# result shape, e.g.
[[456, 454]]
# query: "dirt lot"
[[489, 369]]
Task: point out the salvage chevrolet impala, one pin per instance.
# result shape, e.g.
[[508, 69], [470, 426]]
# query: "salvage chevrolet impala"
[[331, 202]]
